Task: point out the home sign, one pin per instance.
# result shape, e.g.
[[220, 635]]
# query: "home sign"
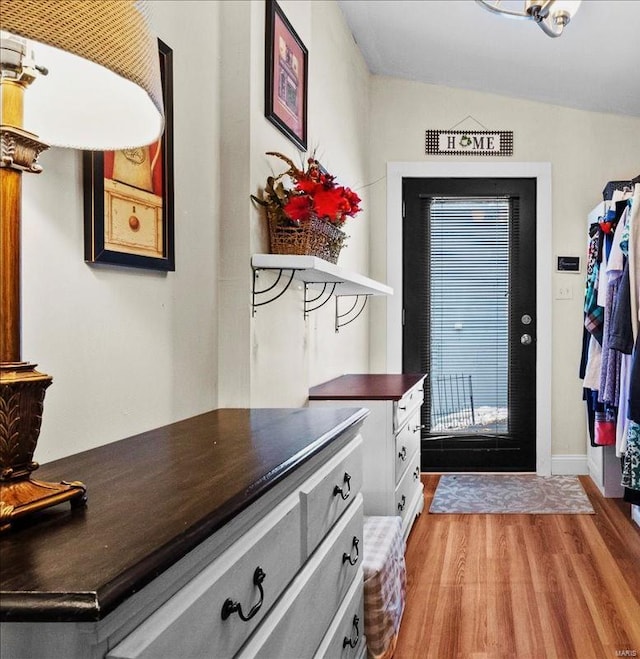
[[469, 142]]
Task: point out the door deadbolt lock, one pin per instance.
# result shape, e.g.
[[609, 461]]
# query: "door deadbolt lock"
[[526, 319]]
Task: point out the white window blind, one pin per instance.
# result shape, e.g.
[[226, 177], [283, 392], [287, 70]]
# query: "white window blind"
[[469, 313]]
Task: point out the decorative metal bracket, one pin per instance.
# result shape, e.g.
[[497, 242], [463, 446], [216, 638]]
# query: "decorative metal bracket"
[[353, 312], [328, 289], [255, 293], [313, 300]]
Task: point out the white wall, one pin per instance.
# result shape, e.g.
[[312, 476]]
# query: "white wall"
[[585, 151], [273, 358], [129, 349]]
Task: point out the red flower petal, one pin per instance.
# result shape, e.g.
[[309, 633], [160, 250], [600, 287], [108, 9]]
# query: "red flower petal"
[[328, 203], [298, 208]]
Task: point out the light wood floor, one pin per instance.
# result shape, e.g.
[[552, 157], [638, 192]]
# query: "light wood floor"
[[524, 586]]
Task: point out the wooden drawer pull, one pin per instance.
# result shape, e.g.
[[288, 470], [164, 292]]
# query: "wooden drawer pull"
[[402, 503], [403, 454], [229, 607], [347, 557], [344, 494], [352, 642]]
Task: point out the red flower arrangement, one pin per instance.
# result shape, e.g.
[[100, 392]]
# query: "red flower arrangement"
[[315, 194]]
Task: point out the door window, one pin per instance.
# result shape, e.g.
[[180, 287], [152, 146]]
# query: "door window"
[[469, 314]]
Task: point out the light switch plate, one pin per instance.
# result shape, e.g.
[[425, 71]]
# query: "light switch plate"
[[564, 292]]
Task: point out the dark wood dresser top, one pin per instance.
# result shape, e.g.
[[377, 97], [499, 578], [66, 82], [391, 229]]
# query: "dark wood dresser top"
[[378, 386], [152, 498]]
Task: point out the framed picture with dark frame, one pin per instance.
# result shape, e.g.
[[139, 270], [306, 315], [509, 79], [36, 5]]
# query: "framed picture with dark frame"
[[128, 196], [286, 68]]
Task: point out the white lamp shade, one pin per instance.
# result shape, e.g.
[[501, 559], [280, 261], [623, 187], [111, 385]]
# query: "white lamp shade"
[[103, 90]]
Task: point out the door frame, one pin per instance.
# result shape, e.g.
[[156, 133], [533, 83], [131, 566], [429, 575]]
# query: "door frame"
[[541, 171]]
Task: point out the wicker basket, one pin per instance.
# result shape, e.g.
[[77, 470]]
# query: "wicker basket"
[[312, 238]]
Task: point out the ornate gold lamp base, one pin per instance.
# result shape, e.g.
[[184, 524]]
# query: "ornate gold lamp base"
[[22, 391], [27, 496]]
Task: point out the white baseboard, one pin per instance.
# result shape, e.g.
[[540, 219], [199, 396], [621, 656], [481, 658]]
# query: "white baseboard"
[[569, 465]]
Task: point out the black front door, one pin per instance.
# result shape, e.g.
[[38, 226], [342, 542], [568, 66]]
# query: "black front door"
[[469, 299]]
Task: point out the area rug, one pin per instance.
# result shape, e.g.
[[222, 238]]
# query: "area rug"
[[510, 494]]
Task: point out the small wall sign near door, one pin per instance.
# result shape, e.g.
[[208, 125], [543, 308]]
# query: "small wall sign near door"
[[469, 142], [568, 264]]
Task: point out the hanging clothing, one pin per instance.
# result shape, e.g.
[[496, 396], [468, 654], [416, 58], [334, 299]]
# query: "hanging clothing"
[[594, 363], [620, 332], [610, 358], [631, 469], [622, 423], [632, 496], [605, 425], [634, 258], [609, 389], [609, 385], [612, 186], [634, 385], [631, 461], [593, 314], [621, 328]]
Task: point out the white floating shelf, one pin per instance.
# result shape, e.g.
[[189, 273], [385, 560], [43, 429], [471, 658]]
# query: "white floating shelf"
[[316, 272]]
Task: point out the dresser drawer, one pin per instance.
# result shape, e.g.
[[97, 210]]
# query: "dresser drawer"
[[407, 443], [298, 624], [327, 494], [409, 484], [345, 636], [190, 624], [404, 408]]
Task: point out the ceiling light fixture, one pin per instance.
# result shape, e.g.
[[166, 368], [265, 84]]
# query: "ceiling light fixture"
[[551, 15]]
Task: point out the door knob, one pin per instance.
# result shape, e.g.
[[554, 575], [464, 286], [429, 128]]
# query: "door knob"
[[526, 339]]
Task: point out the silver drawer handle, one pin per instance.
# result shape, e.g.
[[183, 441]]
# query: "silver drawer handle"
[[402, 407], [403, 453], [402, 503], [229, 607], [352, 642], [416, 474], [344, 494], [347, 557]]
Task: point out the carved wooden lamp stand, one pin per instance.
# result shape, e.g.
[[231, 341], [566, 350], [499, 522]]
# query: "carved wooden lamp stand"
[[104, 94], [22, 388]]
